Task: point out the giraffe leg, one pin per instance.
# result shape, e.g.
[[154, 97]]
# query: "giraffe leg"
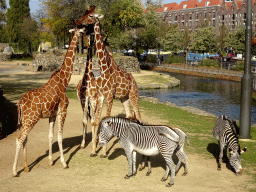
[[126, 103], [85, 121], [62, 113], [51, 132], [95, 124], [26, 168], [134, 98]]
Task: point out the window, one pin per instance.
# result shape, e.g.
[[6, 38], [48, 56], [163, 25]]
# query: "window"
[[196, 15], [190, 16], [175, 17], [207, 3], [205, 14], [234, 17], [165, 9], [184, 6], [182, 17], [213, 23], [213, 14]]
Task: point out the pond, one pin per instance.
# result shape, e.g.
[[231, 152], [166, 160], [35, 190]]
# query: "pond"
[[215, 96]]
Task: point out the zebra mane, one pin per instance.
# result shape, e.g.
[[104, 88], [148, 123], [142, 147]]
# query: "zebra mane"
[[232, 124]]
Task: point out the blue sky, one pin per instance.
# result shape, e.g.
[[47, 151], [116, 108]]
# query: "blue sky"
[[35, 4]]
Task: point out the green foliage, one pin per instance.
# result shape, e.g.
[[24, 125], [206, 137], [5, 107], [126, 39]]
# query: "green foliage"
[[19, 9], [47, 37], [210, 63], [236, 40], [239, 66], [172, 59], [203, 40], [176, 39], [151, 59]]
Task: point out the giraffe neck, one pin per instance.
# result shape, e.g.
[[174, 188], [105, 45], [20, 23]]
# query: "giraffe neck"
[[67, 66], [102, 53], [88, 68]]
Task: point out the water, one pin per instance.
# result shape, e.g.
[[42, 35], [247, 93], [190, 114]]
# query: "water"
[[215, 96]]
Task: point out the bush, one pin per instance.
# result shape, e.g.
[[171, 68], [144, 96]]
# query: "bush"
[[210, 63], [175, 59], [239, 66], [151, 59]]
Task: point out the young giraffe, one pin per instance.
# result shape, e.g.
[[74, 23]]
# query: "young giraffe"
[[113, 82], [49, 101], [86, 88]]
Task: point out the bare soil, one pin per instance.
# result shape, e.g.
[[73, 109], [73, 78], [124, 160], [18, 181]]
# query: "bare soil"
[[87, 173]]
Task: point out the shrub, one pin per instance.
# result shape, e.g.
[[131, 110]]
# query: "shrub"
[[239, 66], [210, 63], [175, 59], [151, 59]]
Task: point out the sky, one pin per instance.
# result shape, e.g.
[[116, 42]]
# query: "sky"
[[35, 4]]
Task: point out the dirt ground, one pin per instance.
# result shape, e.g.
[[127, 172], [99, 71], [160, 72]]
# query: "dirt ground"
[[87, 173]]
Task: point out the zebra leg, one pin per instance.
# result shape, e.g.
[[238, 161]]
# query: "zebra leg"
[[167, 170], [171, 166], [182, 155], [129, 158], [143, 162], [149, 166], [220, 156], [134, 162]]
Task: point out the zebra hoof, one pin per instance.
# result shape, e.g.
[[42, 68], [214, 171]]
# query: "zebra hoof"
[[185, 173], [93, 155], [148, 173], [170, 184], [127, 176], [141, 168], [163, 179], [103, 156], [219, 168]]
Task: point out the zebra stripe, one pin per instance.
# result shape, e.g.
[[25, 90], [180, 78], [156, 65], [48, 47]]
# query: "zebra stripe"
[[135, 137]]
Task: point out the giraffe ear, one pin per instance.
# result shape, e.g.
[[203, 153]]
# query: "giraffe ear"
[[71, 30]]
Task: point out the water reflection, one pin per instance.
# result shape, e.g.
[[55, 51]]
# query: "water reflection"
[[212, 95]]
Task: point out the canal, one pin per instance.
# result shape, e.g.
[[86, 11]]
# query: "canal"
[[215, 96]]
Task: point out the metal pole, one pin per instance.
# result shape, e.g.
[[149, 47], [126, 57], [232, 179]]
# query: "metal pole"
[[246, 84]]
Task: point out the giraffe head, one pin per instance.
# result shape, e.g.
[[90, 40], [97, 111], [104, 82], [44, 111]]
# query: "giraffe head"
[[89, 17]]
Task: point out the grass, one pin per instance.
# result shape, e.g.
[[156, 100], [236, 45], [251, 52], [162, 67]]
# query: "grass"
[[152, 79]]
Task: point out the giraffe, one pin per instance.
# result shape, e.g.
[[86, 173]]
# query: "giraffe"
[[49, 101], [112, 83], [85, 89]]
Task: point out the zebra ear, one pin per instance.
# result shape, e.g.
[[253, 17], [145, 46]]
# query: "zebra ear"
[[243, 150]]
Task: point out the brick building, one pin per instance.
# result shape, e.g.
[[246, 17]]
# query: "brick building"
[[192, 14]]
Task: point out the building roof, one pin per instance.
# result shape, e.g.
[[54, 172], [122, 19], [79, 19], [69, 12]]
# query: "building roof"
[[187, 4]]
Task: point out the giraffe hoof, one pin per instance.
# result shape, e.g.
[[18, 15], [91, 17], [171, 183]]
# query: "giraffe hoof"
[[93, 155], [127, 176], [50, 163], [66, 167], [15, 175], [103, 156], [26, 169], [163, 179], [219, 168]]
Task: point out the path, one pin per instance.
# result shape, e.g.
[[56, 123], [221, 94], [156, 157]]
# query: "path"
[[96, 174]]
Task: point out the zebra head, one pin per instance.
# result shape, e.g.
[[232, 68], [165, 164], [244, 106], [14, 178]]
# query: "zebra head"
[[235, 160], [106, 132]]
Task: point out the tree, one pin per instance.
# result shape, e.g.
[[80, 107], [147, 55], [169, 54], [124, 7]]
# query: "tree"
[[29, 32], [19, 9], [203, 40], [2, 21], [221, 37], [236, 40]]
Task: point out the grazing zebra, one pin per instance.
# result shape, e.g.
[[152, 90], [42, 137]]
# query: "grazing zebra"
[[226, 134], [135, 137], [179, 152]]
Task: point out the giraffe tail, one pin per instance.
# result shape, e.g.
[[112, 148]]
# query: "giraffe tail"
[[19, 125]]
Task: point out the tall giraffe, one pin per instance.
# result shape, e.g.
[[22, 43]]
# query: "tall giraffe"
[[86, 88], [49, 101], [113, 82]]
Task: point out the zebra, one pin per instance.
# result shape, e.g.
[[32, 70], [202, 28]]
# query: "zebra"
[[226, 133], [181, 154], [135, 137]]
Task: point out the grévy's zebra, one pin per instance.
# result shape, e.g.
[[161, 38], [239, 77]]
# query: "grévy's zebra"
[[135, 137], [226, 134], [181, 154]]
